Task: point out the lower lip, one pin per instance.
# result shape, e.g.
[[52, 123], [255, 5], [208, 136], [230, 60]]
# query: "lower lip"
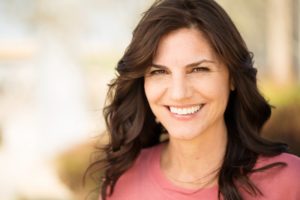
[[185, 117]]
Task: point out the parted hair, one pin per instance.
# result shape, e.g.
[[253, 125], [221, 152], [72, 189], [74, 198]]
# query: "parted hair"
[[131, 124]]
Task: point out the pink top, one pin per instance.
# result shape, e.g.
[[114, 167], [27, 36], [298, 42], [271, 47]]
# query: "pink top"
[[145, 181]]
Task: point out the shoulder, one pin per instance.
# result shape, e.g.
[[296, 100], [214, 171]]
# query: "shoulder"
[[146, 155], [131, 180], [284, 179], [292, 163], [141, 162]]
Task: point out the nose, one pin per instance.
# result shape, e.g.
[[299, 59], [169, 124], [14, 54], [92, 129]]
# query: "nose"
[[179, 88]]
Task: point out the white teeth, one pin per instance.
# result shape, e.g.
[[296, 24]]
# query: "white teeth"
[[185, 111]]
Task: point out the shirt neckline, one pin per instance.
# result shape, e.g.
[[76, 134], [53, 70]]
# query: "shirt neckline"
[[164, 183]]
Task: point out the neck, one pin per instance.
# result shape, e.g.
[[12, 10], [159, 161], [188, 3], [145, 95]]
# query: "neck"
[[192, 160]]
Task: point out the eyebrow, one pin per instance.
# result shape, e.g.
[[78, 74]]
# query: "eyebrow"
[[187, 66]]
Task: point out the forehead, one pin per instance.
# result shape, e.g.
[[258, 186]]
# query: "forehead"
[[182, 46]]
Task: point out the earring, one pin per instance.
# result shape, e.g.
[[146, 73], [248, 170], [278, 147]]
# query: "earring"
[[232, 88]]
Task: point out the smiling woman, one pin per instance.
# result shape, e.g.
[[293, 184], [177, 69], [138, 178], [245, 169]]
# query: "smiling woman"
[[189, 98], [187, 73]]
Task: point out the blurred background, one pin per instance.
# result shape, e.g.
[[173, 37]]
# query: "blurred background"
[[57, 57]]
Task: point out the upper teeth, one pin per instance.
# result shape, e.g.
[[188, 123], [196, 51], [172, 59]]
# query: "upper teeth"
[[185, 111]]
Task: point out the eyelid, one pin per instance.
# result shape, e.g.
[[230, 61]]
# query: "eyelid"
[[200, 68], [157, 71]]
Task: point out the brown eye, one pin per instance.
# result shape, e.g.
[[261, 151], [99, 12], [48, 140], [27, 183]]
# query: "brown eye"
[[200, 69], [158, 72]]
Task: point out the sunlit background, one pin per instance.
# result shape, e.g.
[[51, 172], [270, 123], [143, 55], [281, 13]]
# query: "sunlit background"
[[56, 58]]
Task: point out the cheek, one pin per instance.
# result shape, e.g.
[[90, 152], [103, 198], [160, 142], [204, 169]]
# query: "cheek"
[[152, 90], [221, 94], [214, 88]]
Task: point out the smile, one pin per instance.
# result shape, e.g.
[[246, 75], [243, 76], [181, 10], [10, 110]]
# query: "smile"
[[185, 110]]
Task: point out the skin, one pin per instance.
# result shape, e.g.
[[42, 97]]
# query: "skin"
[[186, 73]]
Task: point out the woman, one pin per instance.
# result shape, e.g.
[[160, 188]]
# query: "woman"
[[188, 76]]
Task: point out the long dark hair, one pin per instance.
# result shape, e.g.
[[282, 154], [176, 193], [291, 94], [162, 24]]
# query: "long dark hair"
[[131, 124]]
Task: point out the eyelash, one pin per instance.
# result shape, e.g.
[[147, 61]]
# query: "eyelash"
[[157, 72], [162, 71], [200, 69]]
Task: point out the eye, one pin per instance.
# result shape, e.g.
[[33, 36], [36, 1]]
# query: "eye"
[[200, 69], [157, 72]]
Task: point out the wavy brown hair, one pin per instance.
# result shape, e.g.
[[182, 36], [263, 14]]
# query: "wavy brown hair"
[[131, 124]]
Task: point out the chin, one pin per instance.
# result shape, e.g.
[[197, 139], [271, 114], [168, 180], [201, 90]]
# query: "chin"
[[183, 135]]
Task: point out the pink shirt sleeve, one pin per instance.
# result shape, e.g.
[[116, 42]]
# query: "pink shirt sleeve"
[[278, 182]]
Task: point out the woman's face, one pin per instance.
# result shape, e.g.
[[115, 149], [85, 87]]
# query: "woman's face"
[[187, 86]]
